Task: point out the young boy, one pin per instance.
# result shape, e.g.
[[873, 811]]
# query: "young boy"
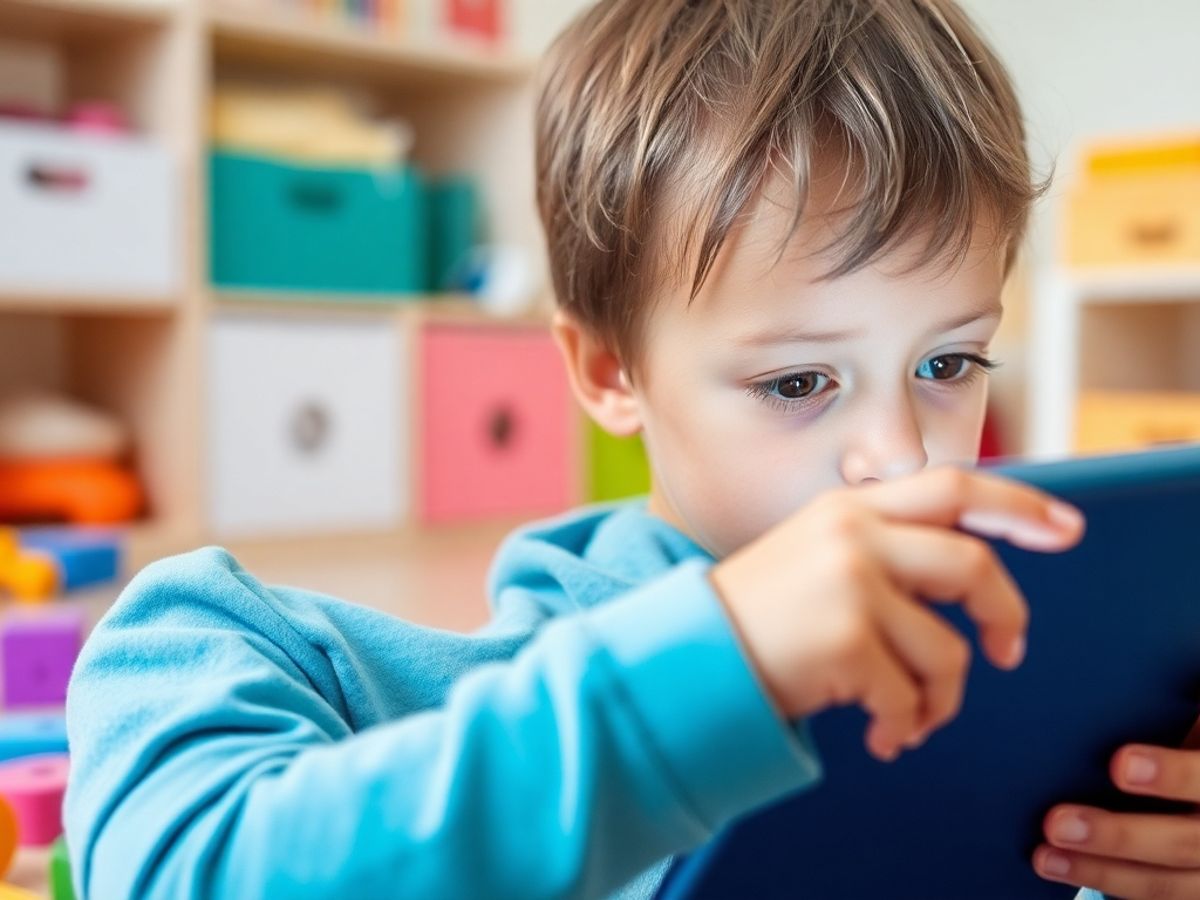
[[778, 233]]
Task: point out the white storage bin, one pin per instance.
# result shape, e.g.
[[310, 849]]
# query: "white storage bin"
[[306, 417], [86, 214]]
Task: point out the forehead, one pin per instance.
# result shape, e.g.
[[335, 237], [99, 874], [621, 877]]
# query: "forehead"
[[769, 277]]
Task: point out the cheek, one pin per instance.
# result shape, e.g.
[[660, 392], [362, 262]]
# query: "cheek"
[[730, 484], [953, 427]]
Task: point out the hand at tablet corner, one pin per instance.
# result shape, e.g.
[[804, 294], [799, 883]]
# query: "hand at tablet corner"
[[1131, 855]]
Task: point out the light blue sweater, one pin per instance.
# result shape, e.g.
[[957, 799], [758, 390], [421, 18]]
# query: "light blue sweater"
[[231, 740]]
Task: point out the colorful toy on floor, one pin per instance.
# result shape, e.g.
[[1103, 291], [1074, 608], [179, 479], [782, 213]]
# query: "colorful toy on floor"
[[32, 734], [39, 563], [61, 886], [12, 892], [39, 650], [27, 576], [34, 788], [8, 836]]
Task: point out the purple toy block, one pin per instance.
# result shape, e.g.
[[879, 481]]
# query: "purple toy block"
[[39, 649]]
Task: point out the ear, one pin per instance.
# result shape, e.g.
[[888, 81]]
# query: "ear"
[[596, 377]]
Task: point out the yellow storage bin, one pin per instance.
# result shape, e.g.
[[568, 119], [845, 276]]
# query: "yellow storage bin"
[[1113, 421], [1137, 204]]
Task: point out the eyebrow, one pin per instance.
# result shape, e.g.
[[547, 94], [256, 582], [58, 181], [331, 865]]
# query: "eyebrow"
[[800, 336]]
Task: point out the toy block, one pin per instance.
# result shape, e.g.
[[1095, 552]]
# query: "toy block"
[[61, 886], [84, 556], [29, 734], [34, 788], [39, 651]]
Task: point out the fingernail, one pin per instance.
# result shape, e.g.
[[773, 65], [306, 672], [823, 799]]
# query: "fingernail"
[[1022, 533], [1066, 516], [1071, 829], [917, 740], [1054, 864], [1140, 769], [1016, 652]]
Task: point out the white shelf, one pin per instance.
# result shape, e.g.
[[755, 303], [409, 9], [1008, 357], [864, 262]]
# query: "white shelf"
[[1129, 285], [1060, 302]]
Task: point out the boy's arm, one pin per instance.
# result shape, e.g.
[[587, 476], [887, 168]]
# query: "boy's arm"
[[210, 757]]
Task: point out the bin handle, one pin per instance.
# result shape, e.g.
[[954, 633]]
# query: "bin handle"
[[314, 197], [57, 179], [1160, 233], [502, 427]]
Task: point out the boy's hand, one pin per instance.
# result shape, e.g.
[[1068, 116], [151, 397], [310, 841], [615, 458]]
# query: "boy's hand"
[[829, 603], [1129, 854]]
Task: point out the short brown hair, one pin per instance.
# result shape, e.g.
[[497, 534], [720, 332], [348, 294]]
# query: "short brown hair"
[[639, 97]]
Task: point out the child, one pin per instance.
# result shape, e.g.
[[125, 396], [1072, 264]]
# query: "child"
[[778, 233]]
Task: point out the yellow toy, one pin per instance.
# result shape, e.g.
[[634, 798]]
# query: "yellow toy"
[[27, 576]]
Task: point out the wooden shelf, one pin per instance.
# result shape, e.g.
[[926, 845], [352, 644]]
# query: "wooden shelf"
[[448, 307], [16, 301], [81, 21], [316, 47]]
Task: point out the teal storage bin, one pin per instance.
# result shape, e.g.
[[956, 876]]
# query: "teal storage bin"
[[279, 226], [454, 226]]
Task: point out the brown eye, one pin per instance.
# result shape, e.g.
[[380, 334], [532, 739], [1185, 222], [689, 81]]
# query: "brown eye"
[[945, 368], [798, 386]]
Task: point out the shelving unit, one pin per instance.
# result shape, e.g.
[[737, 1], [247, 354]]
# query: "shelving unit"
[[1110, 329], [309, 45], [145, 358]]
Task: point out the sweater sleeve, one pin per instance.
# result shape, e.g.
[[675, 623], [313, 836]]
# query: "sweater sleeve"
[[214, 755]]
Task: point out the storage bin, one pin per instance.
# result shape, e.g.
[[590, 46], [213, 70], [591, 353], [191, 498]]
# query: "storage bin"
[[86, 214], [617, 467], [1116, 421], [307, 418], [498, 432], [1134, 221], [1137, 203], [287, 227]]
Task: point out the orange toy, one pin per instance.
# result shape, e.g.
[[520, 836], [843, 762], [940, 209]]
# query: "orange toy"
[[8, 836], [82, 492]]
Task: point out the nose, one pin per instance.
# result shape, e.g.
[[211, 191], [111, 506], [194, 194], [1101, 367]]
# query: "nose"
[[887, 444]]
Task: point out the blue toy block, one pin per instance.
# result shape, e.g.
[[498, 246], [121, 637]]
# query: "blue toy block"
[[32, 735], [85, 557]]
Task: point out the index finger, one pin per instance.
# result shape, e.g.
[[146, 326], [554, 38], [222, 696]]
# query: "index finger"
[[986, 505]]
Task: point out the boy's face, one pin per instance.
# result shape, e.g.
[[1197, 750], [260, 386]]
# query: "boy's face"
[[774, 385]]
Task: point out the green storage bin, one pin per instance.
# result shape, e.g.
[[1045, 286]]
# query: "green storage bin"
[[617, 467], [287, 227]]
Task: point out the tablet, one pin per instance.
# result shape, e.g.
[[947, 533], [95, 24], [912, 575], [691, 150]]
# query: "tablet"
[[1113, 658]]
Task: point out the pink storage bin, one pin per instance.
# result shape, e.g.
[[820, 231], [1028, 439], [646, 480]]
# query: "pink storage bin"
[[498, 430]]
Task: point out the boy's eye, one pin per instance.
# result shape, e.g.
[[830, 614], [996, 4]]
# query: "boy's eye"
[[953, 367], [799, 385], [789, 392]]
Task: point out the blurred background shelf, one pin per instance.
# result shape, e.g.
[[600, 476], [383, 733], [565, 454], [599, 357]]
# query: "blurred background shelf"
[[288, 40], [1120, 284], [76, 22], [16, 301]]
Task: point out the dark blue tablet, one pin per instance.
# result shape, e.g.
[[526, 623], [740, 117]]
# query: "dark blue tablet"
[[1114, 658]]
